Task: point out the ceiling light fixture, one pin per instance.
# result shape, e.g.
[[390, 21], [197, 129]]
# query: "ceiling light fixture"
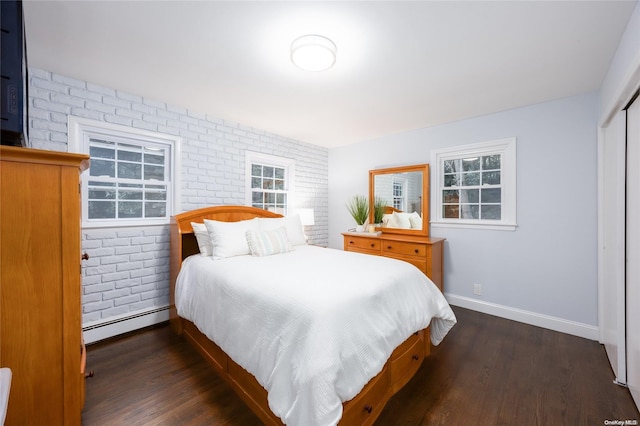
[[313, 53]]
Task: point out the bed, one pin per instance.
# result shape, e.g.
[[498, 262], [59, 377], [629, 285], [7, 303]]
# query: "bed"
[[369, 371]]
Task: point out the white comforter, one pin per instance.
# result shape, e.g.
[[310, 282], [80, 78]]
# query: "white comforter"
[[313, 325]]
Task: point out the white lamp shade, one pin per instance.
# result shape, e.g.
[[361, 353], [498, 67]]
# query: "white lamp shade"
[[306, 217], [313, 53]]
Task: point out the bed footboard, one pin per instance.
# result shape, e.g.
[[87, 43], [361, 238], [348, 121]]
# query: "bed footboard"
[[363, 409]]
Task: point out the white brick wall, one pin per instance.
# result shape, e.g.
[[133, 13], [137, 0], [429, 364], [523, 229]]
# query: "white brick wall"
[[128, 269]]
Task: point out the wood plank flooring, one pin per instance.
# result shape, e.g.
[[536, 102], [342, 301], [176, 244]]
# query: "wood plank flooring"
[[488, 371]]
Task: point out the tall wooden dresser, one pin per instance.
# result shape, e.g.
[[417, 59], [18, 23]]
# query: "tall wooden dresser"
[[40, 286]]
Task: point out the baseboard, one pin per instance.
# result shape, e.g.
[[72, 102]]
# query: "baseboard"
[[104, 329], [532, 318]]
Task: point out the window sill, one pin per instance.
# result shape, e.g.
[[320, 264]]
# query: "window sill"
[[124, 224], [468, 225]]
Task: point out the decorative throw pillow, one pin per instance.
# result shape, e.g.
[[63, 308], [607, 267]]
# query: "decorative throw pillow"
[[401, 220], [387, 221], [266, 243], [229, 238], [415, 220], [203, 238], [292, 224]]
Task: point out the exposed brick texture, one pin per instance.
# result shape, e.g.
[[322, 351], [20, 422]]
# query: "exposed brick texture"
[[128, 269]]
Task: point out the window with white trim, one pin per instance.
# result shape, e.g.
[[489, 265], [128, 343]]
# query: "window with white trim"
[[476, 185], [132, 176], [269, 181], [399, 194]]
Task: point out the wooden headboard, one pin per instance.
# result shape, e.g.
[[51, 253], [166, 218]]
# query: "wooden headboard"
[[183, 240], [389, 210]]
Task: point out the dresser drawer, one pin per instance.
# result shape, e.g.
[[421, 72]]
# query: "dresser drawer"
[[367, 405], [405, 364], [405, 248], [360, 243], [419, 263], [407, 344]]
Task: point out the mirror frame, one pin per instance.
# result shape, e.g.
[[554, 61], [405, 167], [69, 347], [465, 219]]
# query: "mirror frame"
[[424, 168]]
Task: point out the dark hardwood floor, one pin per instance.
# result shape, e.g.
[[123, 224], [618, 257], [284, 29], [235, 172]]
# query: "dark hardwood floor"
[[487, 371]]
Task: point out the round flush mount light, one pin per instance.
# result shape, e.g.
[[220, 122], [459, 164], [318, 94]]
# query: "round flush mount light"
[[313, 53]]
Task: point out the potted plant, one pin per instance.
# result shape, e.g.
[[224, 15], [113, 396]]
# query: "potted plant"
[[379, 205], [358, 207]]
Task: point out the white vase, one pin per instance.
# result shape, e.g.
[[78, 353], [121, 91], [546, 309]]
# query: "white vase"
[[359, 228]]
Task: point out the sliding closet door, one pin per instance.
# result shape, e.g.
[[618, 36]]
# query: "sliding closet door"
[[611, 242], [633, 250]]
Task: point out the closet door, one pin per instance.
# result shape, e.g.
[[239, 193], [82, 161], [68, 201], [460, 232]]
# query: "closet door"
[[633, 250], [611, 243]]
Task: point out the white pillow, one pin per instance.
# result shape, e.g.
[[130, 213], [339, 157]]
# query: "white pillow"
[[401, 220], [203, 238], [266, 243], [387, 221], [415, 220], [291, 224], [230, 238]]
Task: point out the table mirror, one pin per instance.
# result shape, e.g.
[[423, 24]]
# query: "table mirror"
[[401, 195]]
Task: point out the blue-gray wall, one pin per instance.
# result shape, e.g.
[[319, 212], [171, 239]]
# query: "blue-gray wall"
[[543, 272]]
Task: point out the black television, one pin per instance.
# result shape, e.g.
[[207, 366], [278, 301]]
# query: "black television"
[[13, 70]]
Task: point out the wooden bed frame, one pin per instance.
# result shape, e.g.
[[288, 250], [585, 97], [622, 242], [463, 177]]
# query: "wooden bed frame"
[[363, 409], [390, 209]]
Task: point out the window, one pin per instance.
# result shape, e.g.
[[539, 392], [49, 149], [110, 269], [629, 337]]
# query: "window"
[[476, 185], [131, 180], [399, 197], [269, 182]]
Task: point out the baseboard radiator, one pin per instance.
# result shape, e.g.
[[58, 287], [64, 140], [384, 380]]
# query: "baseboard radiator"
[[111, 327]]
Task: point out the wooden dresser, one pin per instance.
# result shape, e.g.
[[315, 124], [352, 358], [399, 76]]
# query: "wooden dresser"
[[40, 287], [424, 252]]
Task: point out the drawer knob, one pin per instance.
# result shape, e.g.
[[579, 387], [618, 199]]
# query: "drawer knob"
[[417, 251], [372, 245], [388, 247], [350, 242], [368, 408], [85, 256], [415, 357]]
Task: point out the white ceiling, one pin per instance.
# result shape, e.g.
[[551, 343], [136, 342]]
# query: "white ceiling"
[[400, 65]]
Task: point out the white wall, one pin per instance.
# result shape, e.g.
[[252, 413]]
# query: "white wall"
[[128, 270], [543, 273]]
